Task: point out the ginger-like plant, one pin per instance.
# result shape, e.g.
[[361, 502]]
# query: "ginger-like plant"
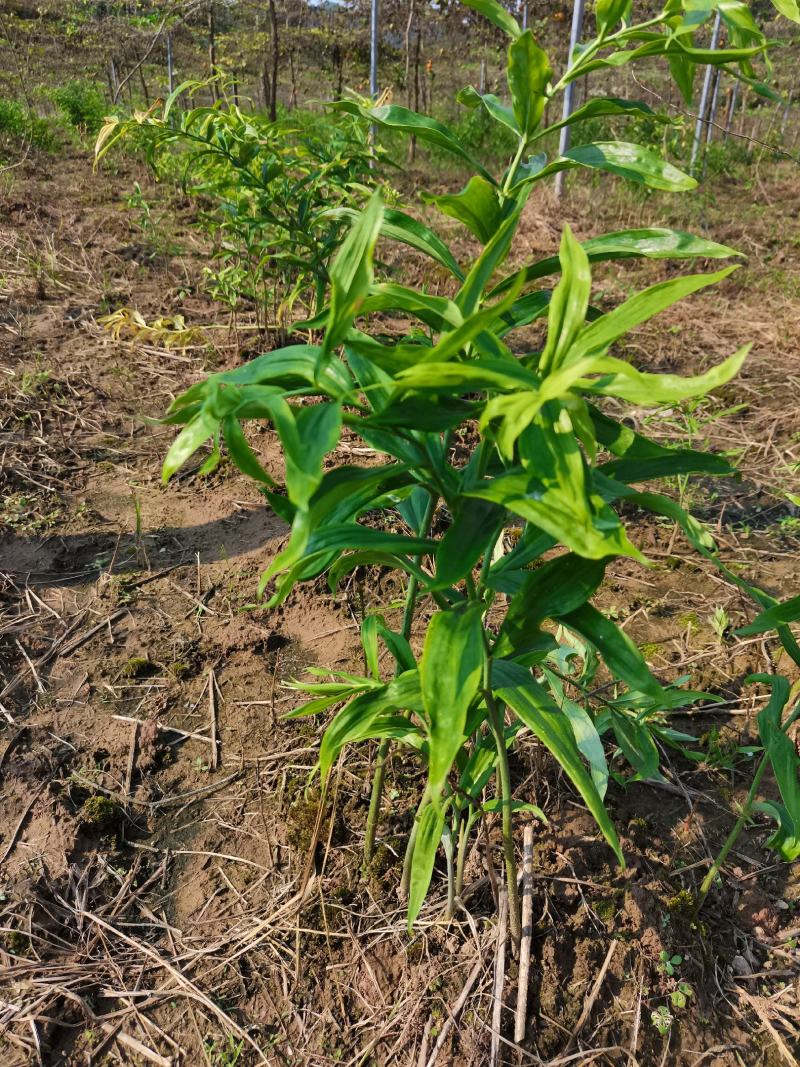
[[512, 640]]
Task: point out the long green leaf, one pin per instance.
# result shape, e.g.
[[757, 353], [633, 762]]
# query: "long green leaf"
[[637, 745], [465, 541], [601, 333], [556, 587], [450, 674], [785, 764], [621, 655], [351, 273], [536, 708], [477, 206], [192, 436], [430, 824], [528, 74], [779, 615], [652, 243], [622, 380], [396, 117], [500, 16], [567, 309], [602, 106], [631, 161]]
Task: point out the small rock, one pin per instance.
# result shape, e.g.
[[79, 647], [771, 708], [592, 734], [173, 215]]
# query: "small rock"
[[741, 966]]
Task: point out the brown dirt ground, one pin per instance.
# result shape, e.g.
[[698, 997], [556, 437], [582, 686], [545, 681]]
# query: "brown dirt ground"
[[149, 899]]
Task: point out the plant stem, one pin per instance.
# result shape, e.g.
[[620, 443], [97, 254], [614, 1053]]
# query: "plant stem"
[[405, 878], [447, 842], [463, 838], [383, 749], [496, 722], [730, 840]]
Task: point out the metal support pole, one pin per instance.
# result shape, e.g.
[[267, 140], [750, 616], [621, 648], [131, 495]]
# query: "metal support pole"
[[712, 111], [569, 92], [731, 109], [701, 114], [373, 50], [170, 68]]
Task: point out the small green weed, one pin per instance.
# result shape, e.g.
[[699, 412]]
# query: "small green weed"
[[662, 1019], [228, 1056], [669, 964]]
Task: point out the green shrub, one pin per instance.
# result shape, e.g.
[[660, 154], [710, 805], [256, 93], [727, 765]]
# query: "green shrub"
[[18, 125], [278, 197], [82, 104]]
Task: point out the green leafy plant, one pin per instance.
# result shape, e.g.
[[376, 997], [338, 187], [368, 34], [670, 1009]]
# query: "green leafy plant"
[[19, 126], [720, 621], [82, 104], [283, 194], [668, 963], [679, 997], [479, 433], [662, 1019]]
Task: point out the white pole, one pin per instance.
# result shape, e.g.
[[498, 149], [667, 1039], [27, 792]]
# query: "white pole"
[[701, 114], [170, 69], [373, 50], [712, 114], [731, 109], [569, 93]]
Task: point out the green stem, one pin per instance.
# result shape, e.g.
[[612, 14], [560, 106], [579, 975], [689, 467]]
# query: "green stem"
[[405, 878], [463, 839], [383, 749], [512, 170], [731, 839], [504, 772], [447, 842]]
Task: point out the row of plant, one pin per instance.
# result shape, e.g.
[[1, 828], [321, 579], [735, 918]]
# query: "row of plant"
[[80, 106], [512, 642]]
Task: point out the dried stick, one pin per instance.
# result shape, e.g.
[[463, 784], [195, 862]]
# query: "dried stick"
[[499, 978], [589, 1003], [452, 1015], [212, 711], [527, 934], [136, 1046]]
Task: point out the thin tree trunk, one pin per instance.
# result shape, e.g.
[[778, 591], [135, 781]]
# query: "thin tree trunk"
[[412, 10], [412, 83], [293, 101], [273, 100], [140, 67], [786, 109], [265, 85], [112, 77]]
